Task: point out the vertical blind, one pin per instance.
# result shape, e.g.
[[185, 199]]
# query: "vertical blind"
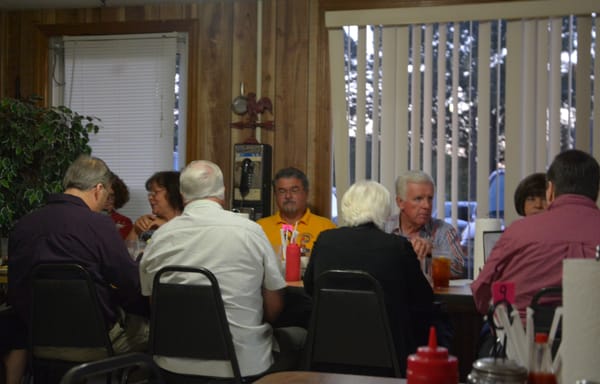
[[128, 82], [510, 98]]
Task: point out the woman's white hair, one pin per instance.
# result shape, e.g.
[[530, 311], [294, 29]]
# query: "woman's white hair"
[[365, 202], [201, 179]]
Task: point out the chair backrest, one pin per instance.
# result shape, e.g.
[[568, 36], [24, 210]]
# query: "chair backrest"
[[188, 319], [117, 367], [349, 330], [544, 304], [65, 311]]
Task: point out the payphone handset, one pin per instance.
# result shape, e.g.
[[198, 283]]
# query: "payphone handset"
[[246, 178], [252, 179]]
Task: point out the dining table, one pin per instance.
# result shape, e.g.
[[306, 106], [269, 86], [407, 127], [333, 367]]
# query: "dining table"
[[455, 302], [309, 377]]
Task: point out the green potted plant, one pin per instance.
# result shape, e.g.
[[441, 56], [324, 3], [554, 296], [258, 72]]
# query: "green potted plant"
[[37, 144]]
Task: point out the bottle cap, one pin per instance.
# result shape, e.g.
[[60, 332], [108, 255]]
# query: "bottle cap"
[[541, 338], [432, 364]]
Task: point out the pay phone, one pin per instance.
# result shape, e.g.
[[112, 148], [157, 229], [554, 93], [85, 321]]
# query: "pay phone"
[[252, 179]]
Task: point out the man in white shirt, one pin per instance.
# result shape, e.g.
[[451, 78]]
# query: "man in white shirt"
[[238, 253]]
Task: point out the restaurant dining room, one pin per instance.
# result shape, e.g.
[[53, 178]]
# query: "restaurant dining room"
[[475, 95]]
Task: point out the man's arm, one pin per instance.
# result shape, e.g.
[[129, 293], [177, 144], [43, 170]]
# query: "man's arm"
[[272, 304], [421, 246], [446, 238], [120, 270], [492, 271]]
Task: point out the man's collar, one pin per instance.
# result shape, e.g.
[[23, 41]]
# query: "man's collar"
[[426, 228], [304, 219]]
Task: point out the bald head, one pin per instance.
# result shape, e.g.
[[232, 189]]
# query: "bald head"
[[202, 179]]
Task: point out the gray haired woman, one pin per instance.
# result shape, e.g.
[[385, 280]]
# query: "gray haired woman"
[[361, 244]]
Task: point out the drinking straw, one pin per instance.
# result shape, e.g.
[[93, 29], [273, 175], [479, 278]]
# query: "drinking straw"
[[283, 242], [294, 231], [558, 313], [512, 338], [529, 331], [557, 362], [520, 340]]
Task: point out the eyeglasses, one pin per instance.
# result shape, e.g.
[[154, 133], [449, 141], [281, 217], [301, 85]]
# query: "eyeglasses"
[[152, 194], [293, 191]]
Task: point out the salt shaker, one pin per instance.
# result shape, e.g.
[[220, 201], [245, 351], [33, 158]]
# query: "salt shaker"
[[492, 370]]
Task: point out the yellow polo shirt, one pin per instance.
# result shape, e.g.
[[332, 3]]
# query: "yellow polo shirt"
[[309, 227]]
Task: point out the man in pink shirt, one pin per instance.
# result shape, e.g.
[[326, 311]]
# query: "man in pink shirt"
[[531, 251]]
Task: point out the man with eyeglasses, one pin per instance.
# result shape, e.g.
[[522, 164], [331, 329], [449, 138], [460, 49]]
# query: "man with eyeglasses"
[[70, 228], [290, 187]]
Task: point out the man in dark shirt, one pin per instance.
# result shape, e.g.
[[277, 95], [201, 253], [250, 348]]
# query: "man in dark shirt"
[[71, 229]]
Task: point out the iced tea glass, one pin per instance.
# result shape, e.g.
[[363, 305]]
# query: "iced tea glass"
[[440, 269]]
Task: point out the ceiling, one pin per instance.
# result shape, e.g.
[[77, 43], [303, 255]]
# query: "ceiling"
[[41, 4]]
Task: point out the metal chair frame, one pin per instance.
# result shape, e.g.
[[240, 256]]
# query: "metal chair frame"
[[65, 312], [115, 366], [189, 321]]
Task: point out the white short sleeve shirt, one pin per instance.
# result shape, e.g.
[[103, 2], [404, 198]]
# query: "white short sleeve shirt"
[[237, 252]]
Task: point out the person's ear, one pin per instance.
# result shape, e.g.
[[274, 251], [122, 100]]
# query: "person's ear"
[[550, 192], [399, 202], [101, 191]]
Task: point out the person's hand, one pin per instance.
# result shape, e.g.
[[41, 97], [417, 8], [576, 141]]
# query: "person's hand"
[[422, 247], [147, 222]]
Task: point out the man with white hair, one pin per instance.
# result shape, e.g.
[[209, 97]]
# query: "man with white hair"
[[362, 245], [238, 253], [414, 196]]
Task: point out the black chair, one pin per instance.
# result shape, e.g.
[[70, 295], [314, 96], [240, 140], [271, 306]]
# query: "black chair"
[[114, 367], [544, 304], [189, 321], [65, 313], [349, 330]]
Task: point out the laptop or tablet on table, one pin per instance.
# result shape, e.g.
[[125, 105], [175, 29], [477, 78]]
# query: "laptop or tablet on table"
[[489, 240]]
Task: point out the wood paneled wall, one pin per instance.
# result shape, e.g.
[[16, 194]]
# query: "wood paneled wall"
[[222, 53]]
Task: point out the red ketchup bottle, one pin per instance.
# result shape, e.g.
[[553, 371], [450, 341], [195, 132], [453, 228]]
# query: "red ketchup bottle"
[[292, 262], [432, 364]]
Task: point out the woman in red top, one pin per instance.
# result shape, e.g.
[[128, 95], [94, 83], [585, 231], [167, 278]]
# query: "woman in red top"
[[117, 197]]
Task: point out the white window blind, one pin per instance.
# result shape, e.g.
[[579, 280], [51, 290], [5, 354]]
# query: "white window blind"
[[128, 82]]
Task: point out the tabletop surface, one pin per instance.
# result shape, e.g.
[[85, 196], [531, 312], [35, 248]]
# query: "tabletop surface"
[[301, 377], [457, 287]]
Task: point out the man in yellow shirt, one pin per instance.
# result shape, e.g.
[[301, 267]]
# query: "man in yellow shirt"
[[290, 187]]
